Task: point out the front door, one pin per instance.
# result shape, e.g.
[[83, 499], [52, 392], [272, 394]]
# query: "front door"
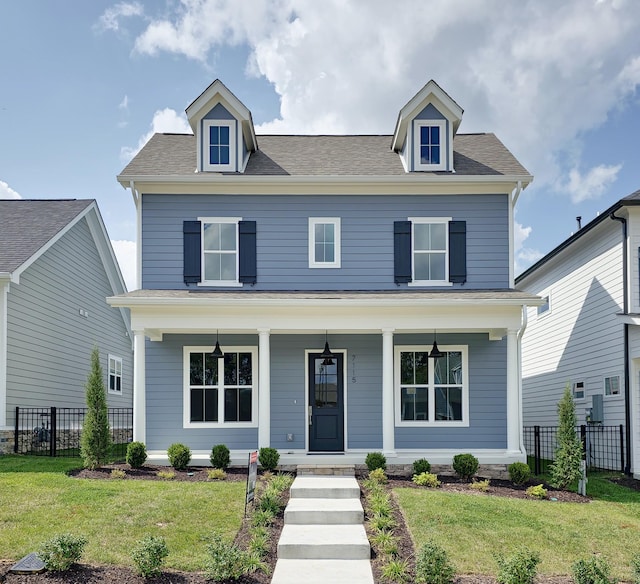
[[326, 403]]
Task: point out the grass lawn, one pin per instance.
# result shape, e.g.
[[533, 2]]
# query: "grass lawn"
[[472, 528], [40, 500]]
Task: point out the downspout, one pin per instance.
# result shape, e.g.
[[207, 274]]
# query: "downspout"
[[627, 377], [521, 332]]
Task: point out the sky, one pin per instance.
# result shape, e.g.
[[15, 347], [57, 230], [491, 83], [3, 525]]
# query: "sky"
[[83, 85]]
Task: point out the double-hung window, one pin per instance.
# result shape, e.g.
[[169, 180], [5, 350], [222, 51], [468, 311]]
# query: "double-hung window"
[[219, 145], [430, 150], [220, 251], [220, 391], [430, 251], [431, 392], [612, 385], [115, 374], [324, 242]]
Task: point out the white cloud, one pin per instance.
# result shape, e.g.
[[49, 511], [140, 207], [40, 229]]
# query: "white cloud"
[[348, 66], [110, 18], [524, 257], [165, 120], [126, 255], [6, 192], [583, 187]]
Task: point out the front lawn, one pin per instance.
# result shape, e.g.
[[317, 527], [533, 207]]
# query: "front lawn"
[[42, 500], [473, 528]]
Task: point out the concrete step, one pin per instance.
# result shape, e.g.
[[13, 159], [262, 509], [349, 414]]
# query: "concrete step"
[[330, 487], [322, 572], [324, 542], [305, 511], [345, 470]]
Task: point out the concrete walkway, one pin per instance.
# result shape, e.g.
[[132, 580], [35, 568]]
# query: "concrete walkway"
[[323, 539]]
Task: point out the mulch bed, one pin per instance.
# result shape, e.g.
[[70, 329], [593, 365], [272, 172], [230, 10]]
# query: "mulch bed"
[[85, 574]]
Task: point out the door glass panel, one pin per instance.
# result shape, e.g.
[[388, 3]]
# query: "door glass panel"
[[326, 383]]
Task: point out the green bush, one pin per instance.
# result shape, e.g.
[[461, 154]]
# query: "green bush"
[[148, 555], [592, 571], [519, 473], [179, 456], [216, 474], [537, 492], [61, 551], [220, 456], [569, 453], [281, 482], [421, 465], [270, 501], [520, 568], [376, 460], [482, 486], [635, 568], [268, 458], [385, 543], [465, 466], [136, 454], [433, 565], [396, 571], [426, 479], [118, 473], [226, 561], [378, 476]]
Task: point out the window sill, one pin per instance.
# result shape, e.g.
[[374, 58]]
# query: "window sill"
[[324, 266], [221, 425], [221, 284], [114, 392], [430, 283], [443, 424]]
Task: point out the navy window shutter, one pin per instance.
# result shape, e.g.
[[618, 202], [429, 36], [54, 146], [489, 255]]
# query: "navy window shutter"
[[458, 251], [402, 251], [247, 249], [192, 249]]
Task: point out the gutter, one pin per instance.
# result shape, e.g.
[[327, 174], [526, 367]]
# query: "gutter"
[[627, 376]]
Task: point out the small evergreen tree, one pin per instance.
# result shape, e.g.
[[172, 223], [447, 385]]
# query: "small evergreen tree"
[[569, 452], [95, 440]]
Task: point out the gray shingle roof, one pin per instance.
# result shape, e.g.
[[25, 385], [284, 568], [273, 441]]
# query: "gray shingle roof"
[[28, 224], [175, 155]]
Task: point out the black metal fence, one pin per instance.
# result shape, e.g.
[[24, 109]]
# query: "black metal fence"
[[603, 446], [56, 431]]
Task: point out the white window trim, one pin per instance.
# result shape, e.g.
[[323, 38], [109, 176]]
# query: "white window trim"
[[548, 311], [425, 220], [115, 360], [584, 392], [219, 283], [432, 422], [335, 221], [604, 389], [206, 165], [444, 140], [186, 397]]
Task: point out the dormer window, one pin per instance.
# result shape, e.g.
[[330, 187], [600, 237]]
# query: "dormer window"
[[429, 145], [220, 145]]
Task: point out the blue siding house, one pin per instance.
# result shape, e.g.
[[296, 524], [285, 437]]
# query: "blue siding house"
[[327, 296]]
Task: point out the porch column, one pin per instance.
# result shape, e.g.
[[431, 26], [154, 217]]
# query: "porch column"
[[388, 424], [139, 397], [264, 389], [513, 399]]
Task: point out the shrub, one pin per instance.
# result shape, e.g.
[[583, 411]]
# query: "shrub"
[[220, 456], [592, 571], [568, 456], [537, 492], [281, 482], [433, 565], [378, 476], [520, 568], [519, 473], [95, 438], [260, 542], [635, 567], [262, 518], [226, 561], [465, 466], [480, 485], [136, 454], [382, 522], [166, 475], [179, 456], [385, 543], [396, 571], [380, 505], [421, 465], [376, 460], [216, 474], [148, 555], [62, 550], [118, 473], [270, 501], [426, 479], [268, 458]]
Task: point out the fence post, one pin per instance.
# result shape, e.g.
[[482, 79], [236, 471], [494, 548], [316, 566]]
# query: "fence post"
[[583, 439], [53, 435], [16, 431], [622, 447], [536, 450]]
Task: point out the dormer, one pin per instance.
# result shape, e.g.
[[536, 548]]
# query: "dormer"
[[425, 129], [223, 128]]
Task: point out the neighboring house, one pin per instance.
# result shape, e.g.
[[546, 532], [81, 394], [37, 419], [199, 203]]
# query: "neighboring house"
[[586, 334], [369, 246], [56, 269]]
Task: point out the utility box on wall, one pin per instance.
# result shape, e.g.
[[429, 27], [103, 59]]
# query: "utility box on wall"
[[597, 411]]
